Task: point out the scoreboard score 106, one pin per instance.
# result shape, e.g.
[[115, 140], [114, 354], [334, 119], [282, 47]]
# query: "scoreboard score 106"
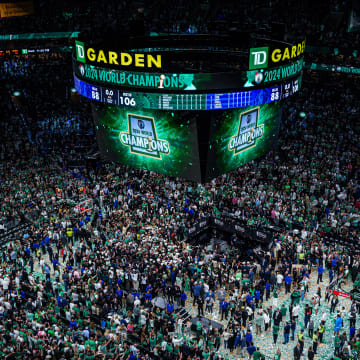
[[188, 101]]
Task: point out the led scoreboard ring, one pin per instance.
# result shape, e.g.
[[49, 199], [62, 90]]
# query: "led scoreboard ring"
[[186, 100], [193, 107]]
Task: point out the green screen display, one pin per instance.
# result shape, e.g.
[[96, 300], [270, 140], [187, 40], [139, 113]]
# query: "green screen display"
[[239, 136], [186, 81], [193, 145], [160, 141]]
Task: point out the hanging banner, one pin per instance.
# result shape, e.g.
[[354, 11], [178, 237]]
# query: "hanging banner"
[[341, 293], [21, 8]]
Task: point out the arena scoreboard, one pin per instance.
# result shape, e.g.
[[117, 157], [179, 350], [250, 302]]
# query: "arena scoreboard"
[[172, 110], [185, 100]]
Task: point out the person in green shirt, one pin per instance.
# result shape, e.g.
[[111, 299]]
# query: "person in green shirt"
[[217, 342], [277, 354], [275, 298], [159, 338], [275, 332], [337, 343], [295, 297], [89, 356], [91, 343], [245, 284], [152, 341], [198, 327], [283, 311], [126, 354], [206, 354], [169, 347], [210, 344], [257, 355]]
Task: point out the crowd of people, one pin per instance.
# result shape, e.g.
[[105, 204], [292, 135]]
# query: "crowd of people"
[[88, 284], [184, 16], [102, 262]]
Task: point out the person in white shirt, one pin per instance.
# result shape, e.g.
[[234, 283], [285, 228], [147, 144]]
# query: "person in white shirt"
[[249, 312], [135, 279], [226, 336], [323, 316], [304, 234], [98, 285], [266, 320], [5, 283], [295, 311], [279, 280]]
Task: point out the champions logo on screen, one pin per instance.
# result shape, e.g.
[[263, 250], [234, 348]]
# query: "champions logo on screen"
[[248, 132], [142, 138]]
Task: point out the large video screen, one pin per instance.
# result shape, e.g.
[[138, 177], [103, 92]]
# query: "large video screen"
[[241, 135], [160, 141], [193, 145]]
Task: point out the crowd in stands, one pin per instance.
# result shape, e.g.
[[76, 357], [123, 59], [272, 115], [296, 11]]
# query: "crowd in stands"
[[322, 23]]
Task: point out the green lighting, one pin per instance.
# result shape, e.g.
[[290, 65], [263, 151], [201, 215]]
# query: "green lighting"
[[73, 90], [16, 93], [302, 114]]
